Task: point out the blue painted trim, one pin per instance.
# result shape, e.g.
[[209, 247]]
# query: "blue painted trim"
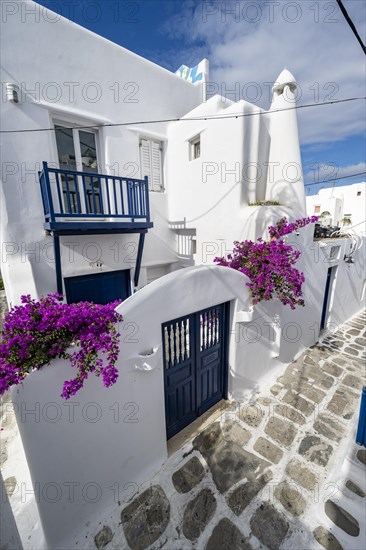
[[95, 207], [105, 227], [147, 203], [194, 360], [225, 354], [97, 216], [46, 193], [57, 250], [361, 430], [100, 288], [186, 420], [139, 259], [92, 174]]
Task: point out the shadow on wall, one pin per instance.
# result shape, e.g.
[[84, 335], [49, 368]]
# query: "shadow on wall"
[[286, 192], [256, 220], [255, 341], [255, 159]]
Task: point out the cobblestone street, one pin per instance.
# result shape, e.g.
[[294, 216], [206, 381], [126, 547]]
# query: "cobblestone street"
[[282, 472]]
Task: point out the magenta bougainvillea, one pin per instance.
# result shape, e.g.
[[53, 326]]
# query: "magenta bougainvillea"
[[270, 264], [36, 332], [283, 227]]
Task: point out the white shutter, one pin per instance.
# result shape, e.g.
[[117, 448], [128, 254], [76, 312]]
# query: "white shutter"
[[145, 160], [157, 176], [151, 166]]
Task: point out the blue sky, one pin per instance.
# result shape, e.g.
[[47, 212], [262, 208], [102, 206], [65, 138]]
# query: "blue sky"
[[252, 42]]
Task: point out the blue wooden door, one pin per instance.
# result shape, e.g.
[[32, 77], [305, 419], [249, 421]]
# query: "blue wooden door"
[[361, 429], [100, 288], [195, 365]]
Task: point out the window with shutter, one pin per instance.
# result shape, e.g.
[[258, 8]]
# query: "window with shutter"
[[151, 164]]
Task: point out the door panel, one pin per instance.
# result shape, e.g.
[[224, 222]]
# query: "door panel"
[[100, 288], [180, 383], [209, 360], [194, 365]]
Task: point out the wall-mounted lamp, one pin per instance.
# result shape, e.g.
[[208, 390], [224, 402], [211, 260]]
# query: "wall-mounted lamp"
[[12, 92]]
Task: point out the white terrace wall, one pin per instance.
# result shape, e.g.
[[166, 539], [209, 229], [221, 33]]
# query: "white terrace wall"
[[108, 441], [271, 335], [301, 328], [69, 73], [350, 281]]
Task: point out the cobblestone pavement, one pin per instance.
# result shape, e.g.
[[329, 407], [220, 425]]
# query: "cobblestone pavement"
[[279, 473]]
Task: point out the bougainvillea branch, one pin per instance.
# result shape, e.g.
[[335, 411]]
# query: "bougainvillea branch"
[[270, 264], [283, 227], [36, 332]]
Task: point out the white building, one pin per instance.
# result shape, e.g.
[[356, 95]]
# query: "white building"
[[80, 100], [346, 205], [74, 115]]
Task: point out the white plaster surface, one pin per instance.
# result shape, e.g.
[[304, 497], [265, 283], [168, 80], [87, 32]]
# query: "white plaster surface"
[[340, 201], [108, 439]]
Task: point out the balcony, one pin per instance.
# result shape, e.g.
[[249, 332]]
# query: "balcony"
[[84, 202]]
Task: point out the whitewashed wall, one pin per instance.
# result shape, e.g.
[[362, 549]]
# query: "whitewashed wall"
[[83, 78], [62, 71], [212, 192], [244, 159], [341, 201], [272, 335], [327, 203], [110, 439]]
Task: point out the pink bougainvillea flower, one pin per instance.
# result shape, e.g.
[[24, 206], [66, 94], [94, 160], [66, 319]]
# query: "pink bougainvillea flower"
[[270, 264], [36, 332]]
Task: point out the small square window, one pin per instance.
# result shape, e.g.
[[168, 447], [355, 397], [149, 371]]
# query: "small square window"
[[359, 193], [195, 148], [317, 208]]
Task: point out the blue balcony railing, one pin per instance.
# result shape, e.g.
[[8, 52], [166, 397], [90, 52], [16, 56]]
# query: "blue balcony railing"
[[90, 200]]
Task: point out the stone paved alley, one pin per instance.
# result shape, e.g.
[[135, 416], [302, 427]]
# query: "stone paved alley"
[[282, 472]]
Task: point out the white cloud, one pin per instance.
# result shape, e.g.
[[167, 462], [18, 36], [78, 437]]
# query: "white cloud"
[[332, 170], [319, 48]]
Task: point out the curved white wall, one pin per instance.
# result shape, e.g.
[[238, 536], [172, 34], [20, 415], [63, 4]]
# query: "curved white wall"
[[127, 442]]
